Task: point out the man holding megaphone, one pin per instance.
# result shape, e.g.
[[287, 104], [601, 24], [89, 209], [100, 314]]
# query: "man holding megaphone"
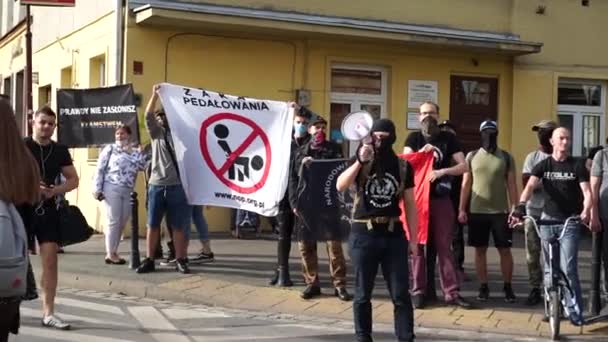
[[380, 180]]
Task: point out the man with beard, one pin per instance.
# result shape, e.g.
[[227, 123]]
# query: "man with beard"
[[318, 147], [490, 177], [380, 180], [534, 207], [449, 162], [285, 218]]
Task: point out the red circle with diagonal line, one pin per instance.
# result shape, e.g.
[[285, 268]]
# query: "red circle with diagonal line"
[[256, 132]]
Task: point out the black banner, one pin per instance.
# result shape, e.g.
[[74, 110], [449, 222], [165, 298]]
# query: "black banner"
[[325, 212], [89, 117]]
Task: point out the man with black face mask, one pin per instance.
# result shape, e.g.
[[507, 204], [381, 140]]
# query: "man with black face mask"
[[490, 177], [449, 162], [534, 207], [318, 147], [380, 180]]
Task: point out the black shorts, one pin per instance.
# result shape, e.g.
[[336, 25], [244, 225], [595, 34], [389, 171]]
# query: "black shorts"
[[480, 226], [46, 227]]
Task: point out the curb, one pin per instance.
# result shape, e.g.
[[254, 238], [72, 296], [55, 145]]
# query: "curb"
[[216, 293]]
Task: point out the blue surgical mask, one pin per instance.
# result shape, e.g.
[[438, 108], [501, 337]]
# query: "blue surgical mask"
[[300, 129]]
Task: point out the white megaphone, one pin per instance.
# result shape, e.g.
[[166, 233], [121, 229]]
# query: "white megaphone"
[[356, 126]]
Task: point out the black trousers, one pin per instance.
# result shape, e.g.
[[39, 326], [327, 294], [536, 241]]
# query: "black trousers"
[[286, 221], [369, 250], [10, 319]]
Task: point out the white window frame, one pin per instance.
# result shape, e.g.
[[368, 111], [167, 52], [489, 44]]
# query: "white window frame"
[[578, 112], [356, 100]]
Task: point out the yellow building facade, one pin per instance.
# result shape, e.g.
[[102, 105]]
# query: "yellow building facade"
[[516, 61]]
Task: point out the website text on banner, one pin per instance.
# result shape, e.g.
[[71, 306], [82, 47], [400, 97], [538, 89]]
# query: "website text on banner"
[[223, 147]]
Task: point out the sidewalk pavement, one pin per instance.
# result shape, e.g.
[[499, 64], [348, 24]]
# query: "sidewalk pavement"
[[238, 279]]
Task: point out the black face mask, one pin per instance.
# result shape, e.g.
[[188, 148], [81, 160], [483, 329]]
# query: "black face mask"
[[384, 154], [544, 138], [429, 128], [488, 140]]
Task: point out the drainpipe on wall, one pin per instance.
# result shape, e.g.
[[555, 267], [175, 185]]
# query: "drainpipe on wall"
[[118, 9]]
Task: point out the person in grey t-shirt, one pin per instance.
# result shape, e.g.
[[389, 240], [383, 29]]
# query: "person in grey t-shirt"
[[166, 195], [534, 208], [599, 189]]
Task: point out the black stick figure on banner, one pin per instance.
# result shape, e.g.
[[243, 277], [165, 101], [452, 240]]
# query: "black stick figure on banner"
[[257, 162]]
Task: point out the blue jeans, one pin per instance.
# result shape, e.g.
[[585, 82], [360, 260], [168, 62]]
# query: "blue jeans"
[[200, 223], [390, 250], [170, 201], [568, 257]]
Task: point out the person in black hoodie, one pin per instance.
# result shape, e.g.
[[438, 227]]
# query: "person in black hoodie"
[[285, 218], [318, 147]]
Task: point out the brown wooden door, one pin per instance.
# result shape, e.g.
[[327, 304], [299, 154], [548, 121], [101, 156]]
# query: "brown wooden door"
[[472, 100]]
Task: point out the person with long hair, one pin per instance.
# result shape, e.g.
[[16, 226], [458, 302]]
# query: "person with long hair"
[[19, 182], [53, 161], [114, 180]]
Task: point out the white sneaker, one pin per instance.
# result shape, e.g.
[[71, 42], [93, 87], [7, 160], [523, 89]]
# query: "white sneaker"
[[53, 321], [168, 262]]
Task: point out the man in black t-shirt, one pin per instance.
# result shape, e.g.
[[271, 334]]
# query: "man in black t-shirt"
[[380, 180], [449, 163], [54, 161], [565, 181]]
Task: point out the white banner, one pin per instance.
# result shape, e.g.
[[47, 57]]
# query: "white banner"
[[223, 147]]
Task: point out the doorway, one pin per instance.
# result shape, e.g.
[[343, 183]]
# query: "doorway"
[[355, 88], [472, 100]]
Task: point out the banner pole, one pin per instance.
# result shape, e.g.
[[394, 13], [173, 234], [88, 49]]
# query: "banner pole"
[[28, 103]]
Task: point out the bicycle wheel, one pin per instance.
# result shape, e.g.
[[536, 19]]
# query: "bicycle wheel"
[[554, 310]]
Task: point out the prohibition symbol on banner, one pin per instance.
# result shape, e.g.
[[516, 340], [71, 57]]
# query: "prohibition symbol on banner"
[[237, 164]]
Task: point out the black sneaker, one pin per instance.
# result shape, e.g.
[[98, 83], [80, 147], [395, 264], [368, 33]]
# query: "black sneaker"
[[202, 258], [534, 298], [484, 293], [311, 291], [181, 265], [460, 302], [509, 295], [146, 266], [418, 301]]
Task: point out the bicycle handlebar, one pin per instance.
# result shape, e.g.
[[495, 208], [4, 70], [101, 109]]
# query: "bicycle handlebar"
[[566, 224]]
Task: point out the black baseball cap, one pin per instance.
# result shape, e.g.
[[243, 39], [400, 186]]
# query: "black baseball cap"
[[545, 124]]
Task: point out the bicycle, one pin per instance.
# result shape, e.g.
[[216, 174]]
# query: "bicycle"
[[555, 301]]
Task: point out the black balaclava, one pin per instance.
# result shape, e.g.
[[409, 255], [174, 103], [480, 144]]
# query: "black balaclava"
[[488, 140], [544, 138], [385, 157], [429, 128]]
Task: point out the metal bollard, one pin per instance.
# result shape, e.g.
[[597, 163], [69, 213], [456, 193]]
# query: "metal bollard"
[[134, 262], [595, 301]]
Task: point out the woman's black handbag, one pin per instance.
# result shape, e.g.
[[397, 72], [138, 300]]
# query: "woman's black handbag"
[[73, 226]]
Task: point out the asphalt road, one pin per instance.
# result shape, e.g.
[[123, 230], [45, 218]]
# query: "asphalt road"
[[104, 317]]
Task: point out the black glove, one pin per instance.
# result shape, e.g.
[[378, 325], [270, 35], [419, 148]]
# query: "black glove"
[[519, 211]]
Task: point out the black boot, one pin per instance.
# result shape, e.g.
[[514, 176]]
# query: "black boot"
[[284, 279], [31, 292], [275, 278]]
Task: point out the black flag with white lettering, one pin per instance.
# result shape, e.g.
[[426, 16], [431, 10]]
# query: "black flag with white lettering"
[[324, 212], [89, 117]]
